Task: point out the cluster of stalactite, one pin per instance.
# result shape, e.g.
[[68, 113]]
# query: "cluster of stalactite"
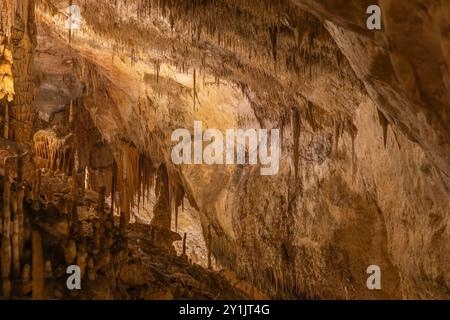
[[261, 40], [133, 177], [54, 153], [294, 40], [280, 282], [315, 135], [6, 62]]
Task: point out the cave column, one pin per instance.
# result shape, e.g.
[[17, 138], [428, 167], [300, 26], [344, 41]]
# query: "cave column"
[[23, 111], [6, 239], [162, 235], [37, 268], [161, 212]]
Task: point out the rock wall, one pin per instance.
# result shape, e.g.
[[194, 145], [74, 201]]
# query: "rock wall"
[[364, 174]]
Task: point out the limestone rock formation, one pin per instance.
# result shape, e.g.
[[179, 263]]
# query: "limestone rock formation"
[[89, 103]]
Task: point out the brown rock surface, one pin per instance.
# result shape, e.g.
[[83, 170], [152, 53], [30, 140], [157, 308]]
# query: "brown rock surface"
[[364, 174]]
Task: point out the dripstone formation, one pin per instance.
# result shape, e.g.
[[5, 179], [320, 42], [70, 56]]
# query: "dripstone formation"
[[88, 107]]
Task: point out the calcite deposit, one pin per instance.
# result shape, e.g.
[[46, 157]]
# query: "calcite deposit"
[[91, 92]]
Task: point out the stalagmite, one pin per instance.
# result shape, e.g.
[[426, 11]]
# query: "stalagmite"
[[91, 274], [96, 244], [15, 236], [36, 185], [82, 257], [73, 188], [101, 202], [123, 224], [70, 251], [19, 216], [177, 196], [48, 272], [53, 152], [6, 241], [113, 192], [26, 283], [37, 270], [161, 211]]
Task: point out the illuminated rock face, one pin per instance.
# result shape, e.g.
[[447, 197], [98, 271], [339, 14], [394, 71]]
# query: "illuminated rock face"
[[364, 170]]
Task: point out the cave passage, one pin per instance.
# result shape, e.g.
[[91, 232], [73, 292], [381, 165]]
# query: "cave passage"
[[224, 150]]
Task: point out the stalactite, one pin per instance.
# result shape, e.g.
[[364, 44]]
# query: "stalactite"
[[273, 33], [336, 135], [295, 128], [113, 190], [309, 116], [184, 244], [6, 120], [209, 246], [384, 123], [195, 87], [133, 178], [353, 159], [124, 211], [157, 70], [353, 131], [176, 218], [71, 114], [37, 269], [70, 24], [7, 18]]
